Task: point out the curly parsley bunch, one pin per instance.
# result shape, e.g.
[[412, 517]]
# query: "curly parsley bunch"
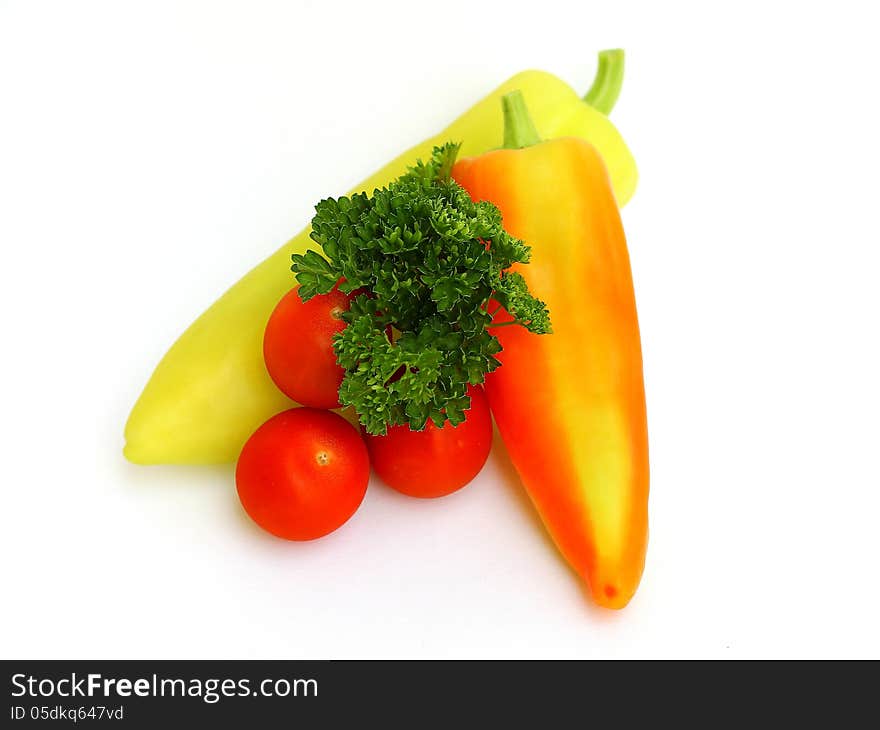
[[428, 259]]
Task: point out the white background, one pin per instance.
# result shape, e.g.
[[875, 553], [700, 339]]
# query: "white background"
[[152, 152]]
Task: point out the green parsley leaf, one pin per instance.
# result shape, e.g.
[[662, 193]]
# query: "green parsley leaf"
[[428, 259]]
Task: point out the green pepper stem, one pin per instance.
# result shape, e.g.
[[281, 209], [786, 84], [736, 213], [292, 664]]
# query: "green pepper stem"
[[519, 129], [603, 94]]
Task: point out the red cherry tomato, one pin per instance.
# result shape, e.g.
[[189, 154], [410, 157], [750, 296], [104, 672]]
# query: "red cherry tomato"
[[298, 347], [303, 473], [436, 461]]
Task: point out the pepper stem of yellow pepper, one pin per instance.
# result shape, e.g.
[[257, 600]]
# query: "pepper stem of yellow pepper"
[[603, 94], [519, 129]]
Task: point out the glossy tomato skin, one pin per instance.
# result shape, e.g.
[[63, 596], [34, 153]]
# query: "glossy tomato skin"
[[437, 461], [303, 473], [298, 347]]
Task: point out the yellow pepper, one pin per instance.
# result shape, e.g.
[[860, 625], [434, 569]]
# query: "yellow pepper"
[[211, 390]]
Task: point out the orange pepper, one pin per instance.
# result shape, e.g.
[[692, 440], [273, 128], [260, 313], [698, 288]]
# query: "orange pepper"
[[570, 406]]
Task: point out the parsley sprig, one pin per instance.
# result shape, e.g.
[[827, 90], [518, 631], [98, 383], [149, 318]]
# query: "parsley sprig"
[[428, 259]]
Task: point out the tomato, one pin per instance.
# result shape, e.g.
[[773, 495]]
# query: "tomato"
[[303, 473], [298, 347], [437, 461]]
